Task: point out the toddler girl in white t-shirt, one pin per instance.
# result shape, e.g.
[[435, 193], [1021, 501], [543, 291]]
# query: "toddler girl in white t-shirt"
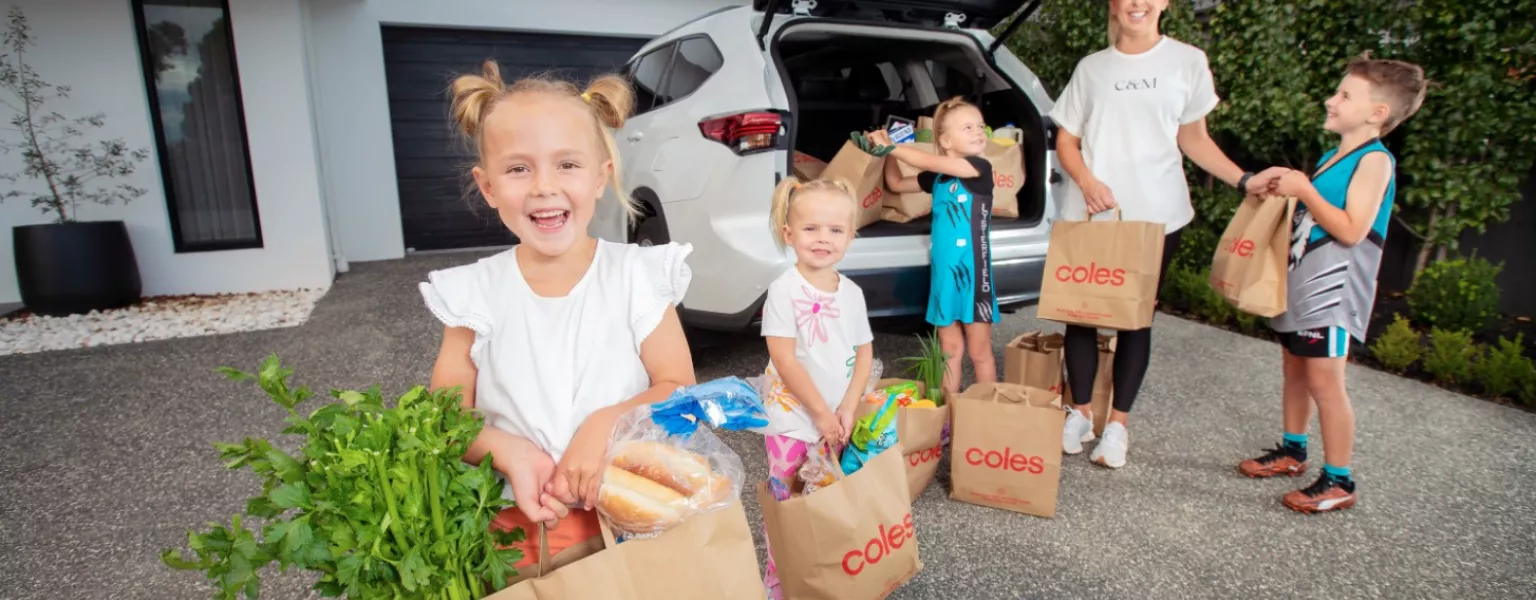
[[557, 337], [817, 329]]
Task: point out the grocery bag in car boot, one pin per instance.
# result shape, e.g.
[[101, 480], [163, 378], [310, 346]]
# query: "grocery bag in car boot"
[[1007, 448], [1249, 269], [1007, 177], [920, 429], [706, 557], [1103, 385], [1102, 273], [808, 167], [1034, 359], [901, 208], [850, 540], [865, 174]]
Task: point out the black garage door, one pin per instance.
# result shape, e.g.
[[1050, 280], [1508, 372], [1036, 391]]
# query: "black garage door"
[[438, 207]]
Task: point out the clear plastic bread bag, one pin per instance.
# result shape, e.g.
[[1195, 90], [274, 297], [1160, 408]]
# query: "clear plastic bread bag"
[[664, 467]]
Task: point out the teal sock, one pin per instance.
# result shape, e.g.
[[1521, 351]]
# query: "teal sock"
[[1339, 473], [1296, 441]]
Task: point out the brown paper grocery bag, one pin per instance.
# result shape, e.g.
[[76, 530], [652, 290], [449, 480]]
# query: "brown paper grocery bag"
[[707, 557], [865, 174], [902, 208], [853, 539], [1007, 448], [1249, 269], [808, 167], [1103, 397], [1102, 273], [1007, 177], [1034, 359], [920, 431]]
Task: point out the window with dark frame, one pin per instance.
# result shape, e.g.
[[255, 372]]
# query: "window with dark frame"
[[194, 98]]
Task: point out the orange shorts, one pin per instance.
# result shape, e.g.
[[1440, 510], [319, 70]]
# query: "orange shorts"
[[577, 527]]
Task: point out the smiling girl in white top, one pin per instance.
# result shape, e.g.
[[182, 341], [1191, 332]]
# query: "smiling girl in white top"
[[554, 339], [1127, 118]]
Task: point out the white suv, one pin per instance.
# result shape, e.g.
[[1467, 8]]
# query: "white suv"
[[722, 100]]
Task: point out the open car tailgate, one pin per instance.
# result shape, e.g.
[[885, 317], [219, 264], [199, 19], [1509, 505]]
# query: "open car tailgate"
[[980, 14]]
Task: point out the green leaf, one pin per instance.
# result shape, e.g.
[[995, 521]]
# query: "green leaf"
[[291, 495]]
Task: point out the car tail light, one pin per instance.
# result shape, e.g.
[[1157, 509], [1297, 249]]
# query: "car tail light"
[[745, 133]]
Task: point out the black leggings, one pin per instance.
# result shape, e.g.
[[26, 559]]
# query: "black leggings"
[[1133, 351]]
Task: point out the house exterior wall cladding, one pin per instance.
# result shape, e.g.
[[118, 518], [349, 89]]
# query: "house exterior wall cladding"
[[92, 46]]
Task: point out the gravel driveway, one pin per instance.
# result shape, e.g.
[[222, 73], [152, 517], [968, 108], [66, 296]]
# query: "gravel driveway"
[[108, 461]]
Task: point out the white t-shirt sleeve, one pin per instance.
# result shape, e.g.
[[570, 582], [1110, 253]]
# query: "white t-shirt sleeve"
[[659, 278], [779, 312], [1202, 90], [1071, 110], [456, 296]]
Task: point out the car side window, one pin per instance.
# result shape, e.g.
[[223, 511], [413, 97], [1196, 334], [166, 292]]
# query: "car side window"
[[697, 60], [647, 75]]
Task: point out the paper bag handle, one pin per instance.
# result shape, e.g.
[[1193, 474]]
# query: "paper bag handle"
[[544, 558]]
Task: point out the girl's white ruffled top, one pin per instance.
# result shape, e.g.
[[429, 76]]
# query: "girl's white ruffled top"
[[545, 364]]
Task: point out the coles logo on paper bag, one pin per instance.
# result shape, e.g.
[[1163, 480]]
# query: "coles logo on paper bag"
[[1007, 460], [1091, 274], [926, 456], [1240, 246], [873, 198], [891, 539], [1004, 180]]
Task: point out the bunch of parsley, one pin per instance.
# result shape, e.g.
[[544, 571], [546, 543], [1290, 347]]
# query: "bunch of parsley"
[[379, 502]]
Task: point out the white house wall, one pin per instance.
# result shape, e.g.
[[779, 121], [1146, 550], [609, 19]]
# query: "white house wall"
[[91, 46], [348, 74]]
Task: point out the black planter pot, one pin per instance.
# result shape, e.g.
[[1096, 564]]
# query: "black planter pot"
[[74, 268]]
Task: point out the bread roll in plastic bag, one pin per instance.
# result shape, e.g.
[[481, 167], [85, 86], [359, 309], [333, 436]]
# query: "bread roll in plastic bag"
[[663, 467]]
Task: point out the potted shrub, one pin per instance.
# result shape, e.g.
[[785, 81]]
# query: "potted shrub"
[[66, 266]]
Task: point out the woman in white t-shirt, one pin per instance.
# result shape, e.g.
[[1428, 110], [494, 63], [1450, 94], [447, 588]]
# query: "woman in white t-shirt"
[[557, 337], [1127, 119]]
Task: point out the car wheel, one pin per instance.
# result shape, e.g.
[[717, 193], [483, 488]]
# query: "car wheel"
[[650, 231]]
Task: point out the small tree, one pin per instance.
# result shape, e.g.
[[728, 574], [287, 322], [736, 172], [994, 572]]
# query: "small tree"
[[1465, 154], [53, 152]]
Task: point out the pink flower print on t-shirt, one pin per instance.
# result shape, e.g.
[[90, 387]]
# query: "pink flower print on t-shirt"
[[810, 314]]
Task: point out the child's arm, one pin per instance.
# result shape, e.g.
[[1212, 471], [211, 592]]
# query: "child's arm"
[[898, 184], [1367, 189], [953, 166], [781, 350], [669, 363], [862, 365], [526, 467]]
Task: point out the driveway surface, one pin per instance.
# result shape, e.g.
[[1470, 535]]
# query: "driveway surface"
[[108, 461]]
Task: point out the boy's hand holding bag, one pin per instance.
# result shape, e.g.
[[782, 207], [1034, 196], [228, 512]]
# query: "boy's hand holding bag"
[[1102, 273], [1249, 268]]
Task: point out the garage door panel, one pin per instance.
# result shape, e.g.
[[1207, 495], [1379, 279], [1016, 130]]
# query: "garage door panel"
[[430, 160]]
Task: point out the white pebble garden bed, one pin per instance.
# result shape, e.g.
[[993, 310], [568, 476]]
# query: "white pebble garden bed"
[[158, 318]]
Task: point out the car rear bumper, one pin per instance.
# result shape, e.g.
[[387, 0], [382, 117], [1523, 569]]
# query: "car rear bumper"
[[895, 292]]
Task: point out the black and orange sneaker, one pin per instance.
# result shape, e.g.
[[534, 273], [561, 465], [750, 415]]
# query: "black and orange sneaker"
[[1280, 460], [1326, 494]]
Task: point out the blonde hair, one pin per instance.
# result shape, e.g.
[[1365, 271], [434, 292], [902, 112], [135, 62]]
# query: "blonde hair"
[[1400, 84], [608, 98], [944, 109], [792, 187]]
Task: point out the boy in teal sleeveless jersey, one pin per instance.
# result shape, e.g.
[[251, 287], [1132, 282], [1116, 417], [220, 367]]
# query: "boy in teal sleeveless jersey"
[[1338, 231]]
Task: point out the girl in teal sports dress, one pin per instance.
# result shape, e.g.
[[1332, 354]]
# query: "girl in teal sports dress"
[[962, 300]]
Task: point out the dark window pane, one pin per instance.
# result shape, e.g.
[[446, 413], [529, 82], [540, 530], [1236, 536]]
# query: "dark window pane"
[[697, 59], [646, 74], [195, 93]]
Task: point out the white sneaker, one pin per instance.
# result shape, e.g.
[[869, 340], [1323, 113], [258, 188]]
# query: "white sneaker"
[[1111, 450], [1077, 431]]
